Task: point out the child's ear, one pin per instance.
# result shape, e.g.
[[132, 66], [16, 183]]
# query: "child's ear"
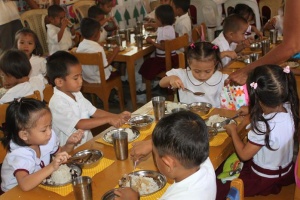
[[169, 161], [58, 82], [23, 135]]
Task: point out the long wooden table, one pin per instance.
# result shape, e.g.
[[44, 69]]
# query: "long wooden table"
[[108, 178], [129, 57]]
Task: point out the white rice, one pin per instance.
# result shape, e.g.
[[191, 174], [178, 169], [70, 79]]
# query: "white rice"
[[62, 175], [172, 105], [143, 184], [131, 135], [214, 119]]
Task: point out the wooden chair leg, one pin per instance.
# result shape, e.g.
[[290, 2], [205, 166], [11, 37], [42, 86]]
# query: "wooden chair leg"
[[121, 97], [148, 89]]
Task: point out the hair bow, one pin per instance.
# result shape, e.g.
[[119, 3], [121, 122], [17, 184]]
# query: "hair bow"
[[215, 47], [192, 45], [253, 85], [286, 69]]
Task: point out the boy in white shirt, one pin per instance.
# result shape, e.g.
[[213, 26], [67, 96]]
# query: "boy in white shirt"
[[59, 35], [180, 149], [90, 30], [14, 69], [70, 110], [97, 14], [233, 38]]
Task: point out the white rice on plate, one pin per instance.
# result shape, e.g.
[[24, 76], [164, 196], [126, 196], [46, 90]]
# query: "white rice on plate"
[[171, 105], [214, 119], [145, 185], [131, 135], [61, 176]]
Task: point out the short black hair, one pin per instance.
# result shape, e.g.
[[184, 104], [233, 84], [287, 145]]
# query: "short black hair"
[[233, 23], [184, 136], [89, 27], [165, 14], [54, 10], [183, 4], [95, 11], [243, 10], [15, 63], [58, 65], [26, 31]]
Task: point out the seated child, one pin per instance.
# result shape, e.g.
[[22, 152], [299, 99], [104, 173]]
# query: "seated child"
[[33, 151], [247, 12], [108, 22], [232, 39], [183, 24], [154, 65], [201, 75], [277, 21], [14, 69], [180, 149], [27, 41], [59, 35], [97, 14], [90, 30], [69, 108]]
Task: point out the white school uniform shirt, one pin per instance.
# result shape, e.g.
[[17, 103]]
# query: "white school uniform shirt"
[[38, 65], [164, 33], [103, 35], [24, 158], [212, 93], [281, 139], [183, 25], [24, 89], [91, 74], [64, 44], [223, 45], [151, 14], [200, 185], [9, 12], [279, 24], [66, 112]]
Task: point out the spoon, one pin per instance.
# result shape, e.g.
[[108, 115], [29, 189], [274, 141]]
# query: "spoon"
[[218, 125], [195, 93]]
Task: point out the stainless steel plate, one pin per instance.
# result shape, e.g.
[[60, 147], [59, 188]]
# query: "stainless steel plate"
[[157, 177], [75, 171], [107, 137], [221, 129]]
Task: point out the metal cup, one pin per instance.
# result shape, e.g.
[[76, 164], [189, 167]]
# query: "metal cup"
[[253, 57], [158, 107], [273, 36], [127, 35], [118, 40], [140, 27], [120, 142], [265, 47], [82, 187], [139, 40]]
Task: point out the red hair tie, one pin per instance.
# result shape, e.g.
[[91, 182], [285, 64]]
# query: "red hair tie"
[[215, 47], [192, 46]]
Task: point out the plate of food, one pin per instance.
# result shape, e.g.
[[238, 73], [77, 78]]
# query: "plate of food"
[[217, 118], [173, 107], [146, 182], [63, 175], [292, 64], [133, 134]]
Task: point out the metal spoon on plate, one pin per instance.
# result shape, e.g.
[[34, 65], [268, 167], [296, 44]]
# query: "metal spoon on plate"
[[218, 125]]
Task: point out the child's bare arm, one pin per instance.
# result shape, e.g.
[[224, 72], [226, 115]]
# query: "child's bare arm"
[[230, 54], [160, 45], [126, 193], [173, 81], [29, 181], [101, 117], [257, 32], [72, 141], [111, 58]]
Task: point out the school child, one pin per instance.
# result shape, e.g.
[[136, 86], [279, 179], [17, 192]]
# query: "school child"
[[108, 22], [247, 12], [274, 117], [14, 69], [183, 24], [277, 21], [173, 139], [69, 108], [97, 14], [59, 34], [154, 65], [201, 75], [31, 143], [232, 39], [27, 41], [90, 30]]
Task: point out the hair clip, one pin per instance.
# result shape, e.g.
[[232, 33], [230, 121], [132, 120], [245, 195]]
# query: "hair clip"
[[253, 85], [287, 70], [215, 47], [192, 46]]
